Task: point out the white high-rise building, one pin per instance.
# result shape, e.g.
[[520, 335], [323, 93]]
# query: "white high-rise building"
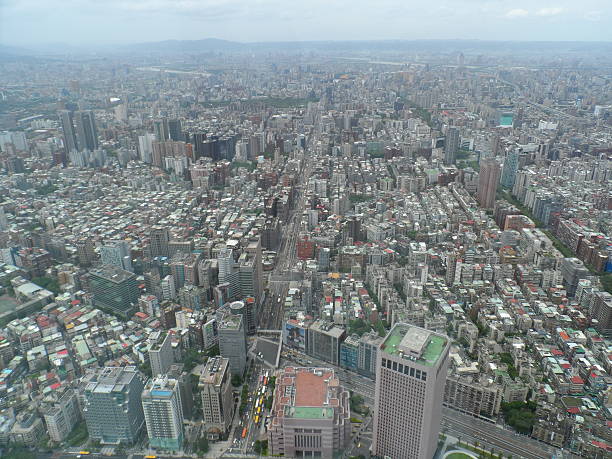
[[411, 372], [163, 413], [145, 147]]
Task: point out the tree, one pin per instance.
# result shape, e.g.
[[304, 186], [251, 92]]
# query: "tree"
[[236, 380], [202, 446]]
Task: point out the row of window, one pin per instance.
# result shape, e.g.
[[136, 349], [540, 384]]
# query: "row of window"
[[405, 369]]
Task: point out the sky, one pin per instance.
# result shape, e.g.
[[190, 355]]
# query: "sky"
[[84, 22]]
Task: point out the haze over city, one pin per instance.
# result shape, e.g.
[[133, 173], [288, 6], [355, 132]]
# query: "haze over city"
[[88, 22], [305, 229]]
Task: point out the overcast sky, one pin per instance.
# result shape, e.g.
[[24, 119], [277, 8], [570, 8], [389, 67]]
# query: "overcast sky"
[[25, 22]]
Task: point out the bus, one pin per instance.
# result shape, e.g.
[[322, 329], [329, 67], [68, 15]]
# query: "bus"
[[257, 419], [259, 410], [265, 381], [257, 404], [244, 432], [151, 457]]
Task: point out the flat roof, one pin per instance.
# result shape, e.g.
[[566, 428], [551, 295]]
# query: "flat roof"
[[304, 412], [426, 347]]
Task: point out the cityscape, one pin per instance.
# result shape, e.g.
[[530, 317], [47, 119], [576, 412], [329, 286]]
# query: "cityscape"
[[322, 248]]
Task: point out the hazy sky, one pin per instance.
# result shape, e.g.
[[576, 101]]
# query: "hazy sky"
[[24, 22]]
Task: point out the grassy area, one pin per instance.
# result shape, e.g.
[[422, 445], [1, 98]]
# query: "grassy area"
[[458, 455], [480, 452]]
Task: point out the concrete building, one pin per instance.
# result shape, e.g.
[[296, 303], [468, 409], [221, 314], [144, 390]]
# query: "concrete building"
[[115, 289], [163, 413], [112, 404], [323, 341], [232, 337], [410, 376], [85, 128], [473, 397], [310, 414], [602, 311], [161, 355], [217, 400], [573, 270], [117, 253], [368, 350], [61, 413], [178, 373], [488, 179], [451, 145], [28, 429]]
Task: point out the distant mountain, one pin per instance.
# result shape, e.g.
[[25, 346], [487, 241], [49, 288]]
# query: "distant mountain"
[[187, 46]]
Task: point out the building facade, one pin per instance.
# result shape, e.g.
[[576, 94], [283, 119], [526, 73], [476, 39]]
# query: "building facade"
[[410, 376], [163, 413], [310, 414], [216, 392], [112, 404]]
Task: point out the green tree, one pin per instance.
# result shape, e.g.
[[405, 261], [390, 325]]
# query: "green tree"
[[236, 380], [202, 445]]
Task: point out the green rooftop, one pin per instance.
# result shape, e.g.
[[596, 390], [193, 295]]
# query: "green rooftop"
[[309, 412], [424, 345]]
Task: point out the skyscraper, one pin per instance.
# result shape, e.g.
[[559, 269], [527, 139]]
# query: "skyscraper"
[[231, 322], [511, 165], [216, 392], [410, 376], [114, 288], [163, 413], [113, 408], [86, 133], [70, 140], [488, 179], [451, 145]]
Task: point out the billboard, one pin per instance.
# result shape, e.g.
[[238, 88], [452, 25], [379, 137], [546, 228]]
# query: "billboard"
[[294, 336]]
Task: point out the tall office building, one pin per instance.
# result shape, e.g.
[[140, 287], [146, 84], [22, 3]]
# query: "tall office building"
[[161, 355], [216, 391], [310, 414], [112, 404], [488, 179], [159, 238], [232, 335], [145, 147], [410, 376], [175, 131], [86, 132], [117, 253], [161, 129], [70, 140], [115, 289], [451, 145], [163, 413], [511, 166]]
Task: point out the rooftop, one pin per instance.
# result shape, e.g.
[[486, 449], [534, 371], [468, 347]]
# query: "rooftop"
[[424, 346]]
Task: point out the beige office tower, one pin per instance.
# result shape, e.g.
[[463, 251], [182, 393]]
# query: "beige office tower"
[[410, 376]]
